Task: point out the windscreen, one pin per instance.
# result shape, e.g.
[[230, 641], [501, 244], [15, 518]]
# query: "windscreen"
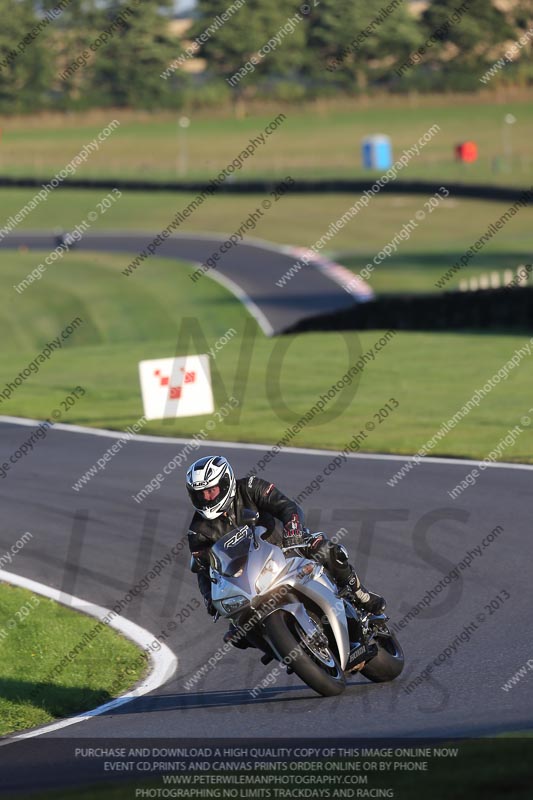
[[229, 553]]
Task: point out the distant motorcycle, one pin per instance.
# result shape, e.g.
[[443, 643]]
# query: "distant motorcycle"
[[66, 240], [290, 609]]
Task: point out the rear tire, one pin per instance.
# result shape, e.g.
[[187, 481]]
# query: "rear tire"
[[389, 661], [281, 629]]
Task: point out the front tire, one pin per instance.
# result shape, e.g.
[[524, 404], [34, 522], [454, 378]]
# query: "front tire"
[[289, 641], [389, 661]]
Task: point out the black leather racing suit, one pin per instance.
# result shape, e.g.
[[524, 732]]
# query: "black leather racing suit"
[[272, 505], [254, 493]]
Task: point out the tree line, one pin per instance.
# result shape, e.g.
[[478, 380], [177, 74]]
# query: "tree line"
[[77, 54]]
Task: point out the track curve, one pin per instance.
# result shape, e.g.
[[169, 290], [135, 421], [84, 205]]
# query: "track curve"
[[249, 269], [97, 543]]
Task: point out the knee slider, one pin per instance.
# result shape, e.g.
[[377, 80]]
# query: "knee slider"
[[340, 566]]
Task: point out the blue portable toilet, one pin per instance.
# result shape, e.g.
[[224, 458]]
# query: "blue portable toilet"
[[376, 152]]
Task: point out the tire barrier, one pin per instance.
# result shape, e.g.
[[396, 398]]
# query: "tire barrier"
[[302, 186], [487, 310]]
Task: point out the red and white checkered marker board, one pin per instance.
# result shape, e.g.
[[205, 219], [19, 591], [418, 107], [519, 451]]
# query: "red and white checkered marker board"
[[176, 387]]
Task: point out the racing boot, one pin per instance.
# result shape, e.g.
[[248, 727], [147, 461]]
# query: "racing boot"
[[335, 558], [368, 601]]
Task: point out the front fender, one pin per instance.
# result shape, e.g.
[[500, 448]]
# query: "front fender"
[[333, 609], [299, 612], [336, 615]]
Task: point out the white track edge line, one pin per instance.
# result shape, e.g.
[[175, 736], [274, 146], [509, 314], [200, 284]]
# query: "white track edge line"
[[224, 280], [238, 292], [163, 663], [245, 299], [250, 446]]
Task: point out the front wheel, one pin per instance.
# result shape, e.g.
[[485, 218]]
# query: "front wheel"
[[312, 660], [389, 661]]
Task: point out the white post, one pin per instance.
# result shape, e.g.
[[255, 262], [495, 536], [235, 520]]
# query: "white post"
[[508, 121], [183, 161]]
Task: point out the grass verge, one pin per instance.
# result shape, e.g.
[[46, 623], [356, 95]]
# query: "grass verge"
[[320, 140], [126, 320], [35, 635], [439, 239]]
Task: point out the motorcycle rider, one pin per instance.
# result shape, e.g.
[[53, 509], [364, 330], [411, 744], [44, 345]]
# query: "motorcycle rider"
[[219, 499]]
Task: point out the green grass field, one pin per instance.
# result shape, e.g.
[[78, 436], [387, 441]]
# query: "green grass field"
[[38, 634], [315, 141], [135, 318], [130, 319]]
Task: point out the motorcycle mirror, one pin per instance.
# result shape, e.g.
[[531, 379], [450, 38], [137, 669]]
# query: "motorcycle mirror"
[[249, 517]]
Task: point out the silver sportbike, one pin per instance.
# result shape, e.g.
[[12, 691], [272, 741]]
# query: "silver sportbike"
[[288, 607]]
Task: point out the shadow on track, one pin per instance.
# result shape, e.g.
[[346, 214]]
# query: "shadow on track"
[[221, 699]]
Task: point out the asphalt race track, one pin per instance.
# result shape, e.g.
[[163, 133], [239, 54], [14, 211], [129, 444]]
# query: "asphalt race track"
[[250, 270], [97, 543]]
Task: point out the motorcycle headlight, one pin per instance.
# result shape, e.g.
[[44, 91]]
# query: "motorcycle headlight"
[[231, 604], [267, 575]]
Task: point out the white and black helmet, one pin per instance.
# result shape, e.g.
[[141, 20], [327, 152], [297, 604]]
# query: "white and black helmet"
[[207, 473]]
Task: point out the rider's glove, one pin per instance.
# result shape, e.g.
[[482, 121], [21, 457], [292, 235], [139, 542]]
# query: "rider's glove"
[[293, 532], [315, 544], [209, 607]]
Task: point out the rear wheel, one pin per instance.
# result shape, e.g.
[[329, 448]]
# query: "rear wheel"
[[389, 661], [310, 657]]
